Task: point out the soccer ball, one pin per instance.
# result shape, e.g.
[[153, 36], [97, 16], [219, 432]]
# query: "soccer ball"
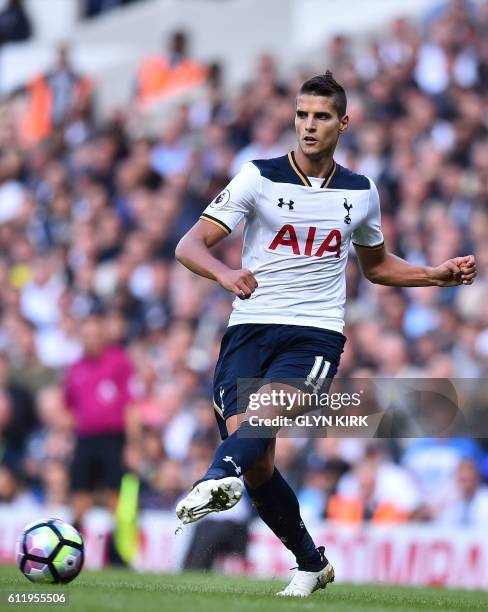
[[50, 551]]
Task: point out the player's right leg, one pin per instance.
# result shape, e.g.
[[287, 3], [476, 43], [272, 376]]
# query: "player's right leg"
[[245, 354], [216, 495], [213, 495]]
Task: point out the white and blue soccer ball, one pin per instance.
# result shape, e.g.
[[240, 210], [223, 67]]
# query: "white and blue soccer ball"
[[50, 551]]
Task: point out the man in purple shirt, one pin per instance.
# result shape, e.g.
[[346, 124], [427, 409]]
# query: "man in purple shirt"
[[97, 391]]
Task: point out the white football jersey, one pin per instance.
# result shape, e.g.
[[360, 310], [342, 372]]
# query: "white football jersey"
[[296, 238]]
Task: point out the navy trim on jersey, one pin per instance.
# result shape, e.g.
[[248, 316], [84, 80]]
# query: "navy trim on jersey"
[[217, 222], [304, 178], [279, 170], [285, 169], [296, 168], [366, 246], [328, 179], [346, 179]]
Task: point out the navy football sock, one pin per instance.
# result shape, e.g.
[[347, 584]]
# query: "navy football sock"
[[277, 505], [237, 453]]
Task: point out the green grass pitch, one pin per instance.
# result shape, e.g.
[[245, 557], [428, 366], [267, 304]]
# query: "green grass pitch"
[[196, 592]]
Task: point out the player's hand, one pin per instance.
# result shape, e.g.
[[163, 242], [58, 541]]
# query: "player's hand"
[[239, 282], [455, 271]]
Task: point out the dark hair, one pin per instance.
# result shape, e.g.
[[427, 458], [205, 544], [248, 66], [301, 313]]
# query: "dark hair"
[[326, 85]]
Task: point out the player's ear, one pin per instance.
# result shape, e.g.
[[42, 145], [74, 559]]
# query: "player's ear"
[[344, 123]]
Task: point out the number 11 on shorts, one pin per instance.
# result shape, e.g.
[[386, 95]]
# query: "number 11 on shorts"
[[315, 380]]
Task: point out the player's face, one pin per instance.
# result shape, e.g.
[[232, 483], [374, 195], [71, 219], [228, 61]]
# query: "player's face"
[[317, 125]]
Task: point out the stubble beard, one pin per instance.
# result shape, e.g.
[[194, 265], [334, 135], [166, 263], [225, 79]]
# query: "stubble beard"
[[320, 154]]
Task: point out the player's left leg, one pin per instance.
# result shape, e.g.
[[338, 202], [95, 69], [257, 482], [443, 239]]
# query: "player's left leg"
[[310, 357], [278, 507]]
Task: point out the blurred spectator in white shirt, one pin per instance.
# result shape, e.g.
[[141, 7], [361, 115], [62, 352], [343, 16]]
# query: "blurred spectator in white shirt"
[[434, 462], [470, 507], [39, 298], [388, 484], [12, 193]]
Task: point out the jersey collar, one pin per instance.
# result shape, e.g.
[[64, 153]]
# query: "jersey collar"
[[303, 177]]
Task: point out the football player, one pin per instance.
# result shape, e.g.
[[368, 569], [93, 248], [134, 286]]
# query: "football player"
[[301, 212]]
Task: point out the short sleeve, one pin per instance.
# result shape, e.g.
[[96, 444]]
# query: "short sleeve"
[[369, 233], [236, 201]]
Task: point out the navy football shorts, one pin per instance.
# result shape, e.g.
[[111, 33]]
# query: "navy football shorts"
[[273, 352]]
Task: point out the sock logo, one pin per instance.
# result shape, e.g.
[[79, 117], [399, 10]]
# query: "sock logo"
[[228, 459]]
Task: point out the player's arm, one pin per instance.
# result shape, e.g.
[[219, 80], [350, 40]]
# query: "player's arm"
[[384, 268], [217, 221], [193, 251]]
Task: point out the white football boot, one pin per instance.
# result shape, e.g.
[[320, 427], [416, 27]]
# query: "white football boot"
[[209, 496], [304, 583]]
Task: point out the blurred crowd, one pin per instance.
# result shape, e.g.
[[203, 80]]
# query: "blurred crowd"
[[89, 219], [94, 8]]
